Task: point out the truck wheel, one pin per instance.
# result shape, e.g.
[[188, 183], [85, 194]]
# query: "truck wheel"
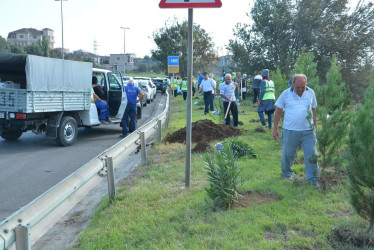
[[11, 135], [148, 101], [67, 132]]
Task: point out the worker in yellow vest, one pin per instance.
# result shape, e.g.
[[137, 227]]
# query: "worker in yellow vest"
[[174, 86], [266, 100], [183, 86]]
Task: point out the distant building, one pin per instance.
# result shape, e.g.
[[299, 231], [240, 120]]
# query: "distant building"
[[24, 37], [84, 53], [119, 61]]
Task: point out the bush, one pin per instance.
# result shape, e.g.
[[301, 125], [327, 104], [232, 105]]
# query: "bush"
[[240, 149], [224, 178]]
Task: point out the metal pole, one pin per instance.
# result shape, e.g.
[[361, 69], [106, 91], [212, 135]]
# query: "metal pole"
[[189, 97], [159, 130], [124, 51], [62, 32], [143, 149], [110, 177], [23, 239]]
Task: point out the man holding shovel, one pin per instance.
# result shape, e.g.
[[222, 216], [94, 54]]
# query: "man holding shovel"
[[227, 91]]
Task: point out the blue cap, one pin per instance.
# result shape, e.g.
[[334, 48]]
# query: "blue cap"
[[265, 72]]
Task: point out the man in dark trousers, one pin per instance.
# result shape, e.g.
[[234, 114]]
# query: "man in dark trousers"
[[132, 93], [227, 91]]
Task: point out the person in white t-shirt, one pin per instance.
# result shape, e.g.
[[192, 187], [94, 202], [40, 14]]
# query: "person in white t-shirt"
[[208, 87], [299, 104]]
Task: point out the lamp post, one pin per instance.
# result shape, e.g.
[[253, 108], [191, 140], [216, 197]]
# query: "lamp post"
[[62, 30], [124, 48]]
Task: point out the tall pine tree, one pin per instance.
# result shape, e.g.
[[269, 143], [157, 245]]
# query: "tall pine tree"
[[361, 159], [333, 119]]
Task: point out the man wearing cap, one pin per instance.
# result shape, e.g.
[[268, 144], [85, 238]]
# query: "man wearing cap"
[[266, 99], [227, 91], [132, 93], [209, 89], [298, 102]]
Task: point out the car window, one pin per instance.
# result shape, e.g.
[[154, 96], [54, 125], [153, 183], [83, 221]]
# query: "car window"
[[115, 82], [100, 78]]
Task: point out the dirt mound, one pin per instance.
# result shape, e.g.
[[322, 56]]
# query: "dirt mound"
[[204, 131], [201, 147]]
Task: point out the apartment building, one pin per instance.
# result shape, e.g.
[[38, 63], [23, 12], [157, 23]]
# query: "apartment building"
[[28, 36]]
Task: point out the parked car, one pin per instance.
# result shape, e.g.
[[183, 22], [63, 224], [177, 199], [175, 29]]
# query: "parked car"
[[151, 85], [159, 82], [127, 78], [147, 90]]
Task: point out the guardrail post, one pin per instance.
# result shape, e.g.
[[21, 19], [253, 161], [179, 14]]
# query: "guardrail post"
[[143, 149], [159, 131], [167, 117], [23, 239], [110, 177]]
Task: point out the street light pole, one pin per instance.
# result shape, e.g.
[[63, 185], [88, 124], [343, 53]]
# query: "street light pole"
[[124, 48], [62, 30]]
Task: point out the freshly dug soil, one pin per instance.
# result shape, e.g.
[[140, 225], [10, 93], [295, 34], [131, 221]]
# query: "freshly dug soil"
[[201, 147], [204, 131]]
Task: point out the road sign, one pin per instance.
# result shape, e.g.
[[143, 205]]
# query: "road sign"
[[190, 4], [173, 64], [173, 69]]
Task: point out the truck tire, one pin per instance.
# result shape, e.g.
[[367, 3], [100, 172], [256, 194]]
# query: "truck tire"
[[67, 132], [11, 135]]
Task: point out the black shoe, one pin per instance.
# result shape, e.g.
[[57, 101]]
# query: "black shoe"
[[123, 135], [104, 122], [108, 120]]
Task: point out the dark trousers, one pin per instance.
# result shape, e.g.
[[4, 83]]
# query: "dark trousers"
[[234, 111], [262, 117], [130, 112], [208, 101], [175, 92], [243, 94], [184, 95], [256, 93]]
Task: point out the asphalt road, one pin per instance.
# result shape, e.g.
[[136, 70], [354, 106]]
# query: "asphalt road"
[[33, 164]]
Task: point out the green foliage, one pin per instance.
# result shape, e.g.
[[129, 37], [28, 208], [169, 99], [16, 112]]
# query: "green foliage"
[[305, 65], [280, 82], [240, 149], [333, 119], [4, 45], [172, 40], [361, 158], [279, 29], [224, 178]]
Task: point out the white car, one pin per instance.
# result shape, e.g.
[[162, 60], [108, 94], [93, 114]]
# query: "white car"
[[150, 83], [147, 90]]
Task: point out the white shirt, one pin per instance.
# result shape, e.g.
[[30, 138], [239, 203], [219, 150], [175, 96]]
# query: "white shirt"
[[227, 90], [215, 84], [296, 108], [207, 85]]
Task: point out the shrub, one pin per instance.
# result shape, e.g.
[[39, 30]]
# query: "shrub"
[[240, 149], [224, 178]]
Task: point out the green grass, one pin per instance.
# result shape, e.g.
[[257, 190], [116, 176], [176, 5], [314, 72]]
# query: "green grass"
[[155, 211]]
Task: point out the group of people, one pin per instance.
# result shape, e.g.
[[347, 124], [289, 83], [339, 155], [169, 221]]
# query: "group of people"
[[297, 102], [129, 114]]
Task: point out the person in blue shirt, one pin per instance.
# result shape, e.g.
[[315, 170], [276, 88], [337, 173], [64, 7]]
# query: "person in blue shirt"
[[199, 79], [132, 93], [100, 101]]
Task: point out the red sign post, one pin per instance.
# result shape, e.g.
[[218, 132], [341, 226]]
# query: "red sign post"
[[190, 4]]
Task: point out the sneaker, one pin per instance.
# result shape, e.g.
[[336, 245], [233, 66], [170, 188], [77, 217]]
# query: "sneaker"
[[108, 120], [123, 135], [104, 122]]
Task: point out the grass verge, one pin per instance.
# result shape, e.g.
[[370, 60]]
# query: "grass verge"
[[155, 211]]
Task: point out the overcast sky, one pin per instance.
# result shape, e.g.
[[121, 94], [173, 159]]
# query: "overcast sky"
[[88, 20]]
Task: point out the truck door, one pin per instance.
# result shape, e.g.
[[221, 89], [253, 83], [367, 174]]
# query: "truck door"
[[114, 92]]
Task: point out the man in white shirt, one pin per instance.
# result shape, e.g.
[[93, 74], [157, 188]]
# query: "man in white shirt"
[[227, 91], [208, 87], [298, 102]]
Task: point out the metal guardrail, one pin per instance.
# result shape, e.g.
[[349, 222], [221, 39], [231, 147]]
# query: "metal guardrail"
[[24, 227]]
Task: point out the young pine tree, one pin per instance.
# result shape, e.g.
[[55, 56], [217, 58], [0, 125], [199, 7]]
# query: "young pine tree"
[[333, 119], [361, 159], [305, 65]]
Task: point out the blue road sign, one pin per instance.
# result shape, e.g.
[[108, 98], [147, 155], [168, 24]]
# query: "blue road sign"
[[173, 60]]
